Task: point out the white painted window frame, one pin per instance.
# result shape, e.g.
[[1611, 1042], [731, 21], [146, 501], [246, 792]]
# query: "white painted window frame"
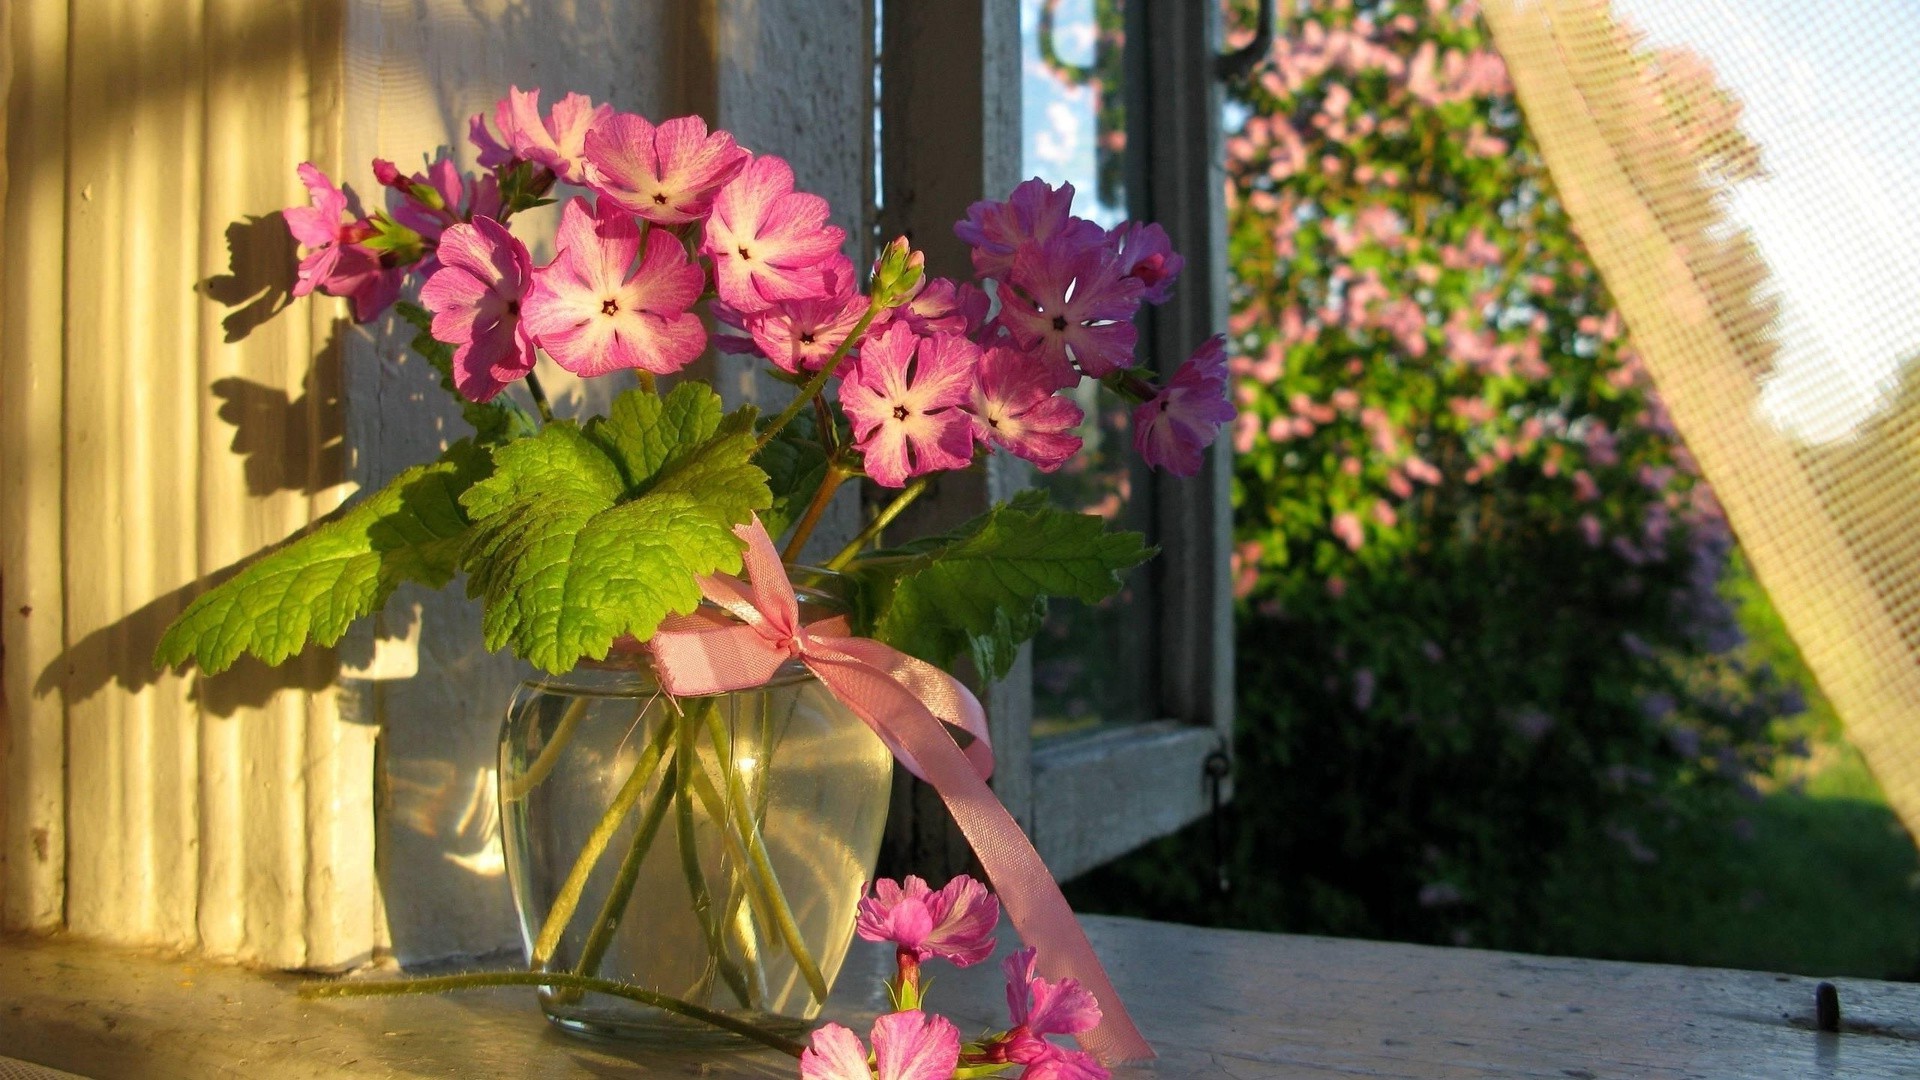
[[950, 134]]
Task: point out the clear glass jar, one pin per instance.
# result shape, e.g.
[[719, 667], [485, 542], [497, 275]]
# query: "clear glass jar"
[[712, 849]]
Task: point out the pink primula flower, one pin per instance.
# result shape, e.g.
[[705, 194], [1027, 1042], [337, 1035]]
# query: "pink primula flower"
[[475, 298], [768, 241], [337, 265], [1035, 215], [906, 1046], [802, 335], [940, 307], [557, 141], [1072, 306], [905, 402], [667, 174], [1015, 406], [1145, 253], [954, 923], [1172, 428], [594, 311], [1040, 1008]]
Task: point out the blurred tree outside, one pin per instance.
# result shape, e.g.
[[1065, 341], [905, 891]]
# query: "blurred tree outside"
[[1503, 678]]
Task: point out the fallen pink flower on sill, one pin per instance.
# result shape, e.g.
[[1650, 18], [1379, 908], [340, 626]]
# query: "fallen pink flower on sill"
[[1173, 428], [1040, 1008], [955, 922], [1015, 406], [593, 318], [668, 174], [906, 1046], [768, 242], [475, 297], [904, 401]]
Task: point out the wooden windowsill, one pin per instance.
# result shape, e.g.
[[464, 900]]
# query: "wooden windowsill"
[[1217, 1003]]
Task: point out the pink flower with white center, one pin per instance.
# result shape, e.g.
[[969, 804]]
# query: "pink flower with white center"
[[1171, 429], [1015, 406], [767, 240], [905, 403], [1072, 306], [802, 335], [906, 1046], [667, 174], [1041, 1008], [954, 923], [940, 307], [1146, 253], [594, 311], [475, 298], [559, 140], [337, 265], [1034, 215]]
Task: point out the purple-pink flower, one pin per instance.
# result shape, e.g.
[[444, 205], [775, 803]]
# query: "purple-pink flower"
[[557, 141], [940, 307], [906, 1046], [1015, 406], [904, 401], [954, 923], [1034, 215], [1040, 1008], [1171, 430], [768, 241], [594, 311], [1146, 254], [475, 298], [337, 265], [1070, 306], [668, 174], [801, 335]]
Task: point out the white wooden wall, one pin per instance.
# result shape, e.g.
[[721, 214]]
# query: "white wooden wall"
[[146, 444]]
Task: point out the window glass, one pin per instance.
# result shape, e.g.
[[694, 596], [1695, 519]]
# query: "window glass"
[[1090, 663]]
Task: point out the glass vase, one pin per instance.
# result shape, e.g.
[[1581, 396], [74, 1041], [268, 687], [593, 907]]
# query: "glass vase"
[[708, 848]]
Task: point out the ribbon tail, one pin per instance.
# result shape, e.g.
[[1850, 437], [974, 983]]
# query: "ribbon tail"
[[1027, 890]]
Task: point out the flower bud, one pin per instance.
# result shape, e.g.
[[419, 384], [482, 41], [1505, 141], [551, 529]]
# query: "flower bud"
[[897, 274]]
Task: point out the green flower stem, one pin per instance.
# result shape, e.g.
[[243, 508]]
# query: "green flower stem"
[[900, 502], [754, 892], [617, 897], [481, 979], [819, 381], [564, 904], [539, 397], [521, 786], [689, 764], [828, 485], [783, 919]]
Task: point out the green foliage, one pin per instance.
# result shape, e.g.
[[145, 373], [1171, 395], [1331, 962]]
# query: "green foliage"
[[494, 422], [983, 588], [796, 466], [312, 588], [583, 536]]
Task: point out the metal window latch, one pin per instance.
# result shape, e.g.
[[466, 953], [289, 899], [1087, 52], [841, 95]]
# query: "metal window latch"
[[1233, 65], [1218, 767]]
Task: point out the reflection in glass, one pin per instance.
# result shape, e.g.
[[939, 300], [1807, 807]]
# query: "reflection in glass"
[[1089, 662]]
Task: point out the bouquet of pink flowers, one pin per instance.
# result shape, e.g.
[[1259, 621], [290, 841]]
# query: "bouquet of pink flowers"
[[582, 538]]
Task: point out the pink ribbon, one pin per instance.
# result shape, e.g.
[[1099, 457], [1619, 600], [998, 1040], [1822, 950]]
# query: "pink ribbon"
[[914, 707]]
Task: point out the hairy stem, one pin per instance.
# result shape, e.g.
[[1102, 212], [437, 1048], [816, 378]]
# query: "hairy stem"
[[569, 898], [481, 979], [828, 485], [539, 398], [819, 381], [519, 787], [885, 518], [783, 920]]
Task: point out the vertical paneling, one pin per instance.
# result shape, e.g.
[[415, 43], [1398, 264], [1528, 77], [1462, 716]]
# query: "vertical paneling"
[[32, 629]]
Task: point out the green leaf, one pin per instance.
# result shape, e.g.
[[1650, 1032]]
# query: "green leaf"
[[314, 587], [984, 587], [582, 537], [494, 422], [796, 467]]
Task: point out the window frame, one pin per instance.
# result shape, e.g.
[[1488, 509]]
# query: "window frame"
[[949, 77]]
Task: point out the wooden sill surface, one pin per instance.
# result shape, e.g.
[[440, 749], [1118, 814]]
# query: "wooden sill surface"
[[1217, 1003]]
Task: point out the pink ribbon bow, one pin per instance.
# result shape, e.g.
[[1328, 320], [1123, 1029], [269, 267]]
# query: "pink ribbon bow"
[[908, 703]]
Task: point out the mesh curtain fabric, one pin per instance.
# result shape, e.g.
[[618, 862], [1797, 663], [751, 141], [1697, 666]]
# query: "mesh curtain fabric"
[[1746, 176]]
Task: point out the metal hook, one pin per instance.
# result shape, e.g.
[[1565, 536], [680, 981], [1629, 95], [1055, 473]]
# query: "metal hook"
[[1233, 65], [1218, 767]]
